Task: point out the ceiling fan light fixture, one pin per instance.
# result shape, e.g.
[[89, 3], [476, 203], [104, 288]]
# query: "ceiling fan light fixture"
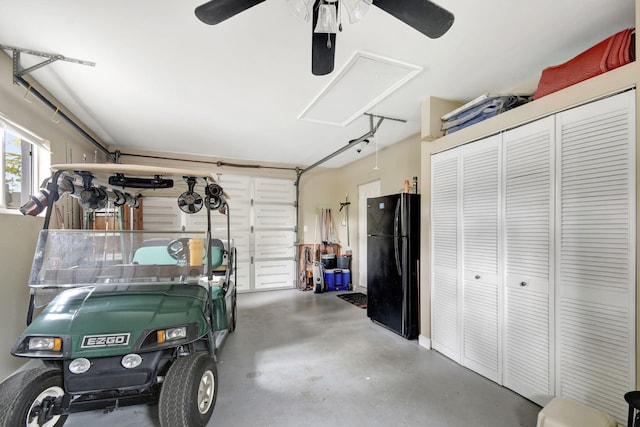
[[357, 9], [301, 8], [327, 19]]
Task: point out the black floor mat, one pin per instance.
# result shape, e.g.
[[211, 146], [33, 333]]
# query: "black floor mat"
[[355, 298]]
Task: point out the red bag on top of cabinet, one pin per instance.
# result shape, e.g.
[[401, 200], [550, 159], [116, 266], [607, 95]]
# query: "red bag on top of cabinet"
[[613, 52]]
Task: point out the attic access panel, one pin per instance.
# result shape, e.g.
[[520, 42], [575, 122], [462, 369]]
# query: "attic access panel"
[[363, 82]]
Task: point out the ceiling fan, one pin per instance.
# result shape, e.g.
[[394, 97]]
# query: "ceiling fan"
[[423, 15]]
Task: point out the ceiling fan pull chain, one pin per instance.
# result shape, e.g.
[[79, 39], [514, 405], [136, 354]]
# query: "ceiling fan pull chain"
[[328, 40]]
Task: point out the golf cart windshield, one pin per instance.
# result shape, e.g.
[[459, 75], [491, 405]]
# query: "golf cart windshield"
[[70, 258], [123, 260]]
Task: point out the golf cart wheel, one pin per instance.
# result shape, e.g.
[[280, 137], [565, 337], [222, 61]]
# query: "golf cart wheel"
[[189, 391], [24, 394]]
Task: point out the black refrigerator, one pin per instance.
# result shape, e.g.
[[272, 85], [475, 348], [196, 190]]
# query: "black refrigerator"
[[393, 262]]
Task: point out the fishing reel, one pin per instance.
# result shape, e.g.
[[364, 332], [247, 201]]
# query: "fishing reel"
[[215, 197], [92, 197]]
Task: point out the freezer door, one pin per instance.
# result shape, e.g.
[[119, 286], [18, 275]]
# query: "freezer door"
[[385, 296], [383, 215]]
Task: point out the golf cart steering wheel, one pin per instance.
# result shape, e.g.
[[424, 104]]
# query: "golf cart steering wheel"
[[179, 249]]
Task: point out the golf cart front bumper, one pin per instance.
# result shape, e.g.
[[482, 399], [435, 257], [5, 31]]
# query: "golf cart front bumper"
[[108, 373]]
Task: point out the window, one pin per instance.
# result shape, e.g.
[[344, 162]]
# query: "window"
[[17, 170], [23, 156]]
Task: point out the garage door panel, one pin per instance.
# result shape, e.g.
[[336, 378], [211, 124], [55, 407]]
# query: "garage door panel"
[[274, 244], [243, 281], [161, 214], [273, 190], [239, 219], [275, 216], [237, 187], [274, 274]]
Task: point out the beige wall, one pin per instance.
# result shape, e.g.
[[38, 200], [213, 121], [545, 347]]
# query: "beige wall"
[[19, 233]]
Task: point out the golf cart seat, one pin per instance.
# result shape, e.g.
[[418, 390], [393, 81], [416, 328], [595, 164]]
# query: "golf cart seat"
[[217, 253], [154, 252]]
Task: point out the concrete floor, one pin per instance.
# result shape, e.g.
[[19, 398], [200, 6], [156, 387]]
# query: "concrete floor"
[[299, 358]]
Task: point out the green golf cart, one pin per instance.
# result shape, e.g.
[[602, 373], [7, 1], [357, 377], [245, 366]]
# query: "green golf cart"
[[120, 317]]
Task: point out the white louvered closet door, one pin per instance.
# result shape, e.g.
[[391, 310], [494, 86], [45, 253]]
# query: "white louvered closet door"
[[445, 248], [595, 265], [528, 242], [480, 223]]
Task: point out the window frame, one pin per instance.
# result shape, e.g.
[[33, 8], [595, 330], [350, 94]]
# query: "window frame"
[[39, 163]]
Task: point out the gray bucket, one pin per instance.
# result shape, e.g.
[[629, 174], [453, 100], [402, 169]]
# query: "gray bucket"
[[343, 261]]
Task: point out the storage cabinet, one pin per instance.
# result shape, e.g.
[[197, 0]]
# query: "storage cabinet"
[[533, 255]]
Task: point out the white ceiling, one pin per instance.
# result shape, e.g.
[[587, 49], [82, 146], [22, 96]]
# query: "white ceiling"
[[164, 81]]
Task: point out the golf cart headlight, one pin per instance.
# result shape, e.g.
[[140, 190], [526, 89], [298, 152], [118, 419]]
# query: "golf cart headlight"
[[79, 366], [45, 344], [131, 361], [171, 334]]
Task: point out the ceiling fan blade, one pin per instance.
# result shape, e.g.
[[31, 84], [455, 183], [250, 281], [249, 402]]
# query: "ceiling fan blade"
[[423, 15], [215, 11], [323, 49]]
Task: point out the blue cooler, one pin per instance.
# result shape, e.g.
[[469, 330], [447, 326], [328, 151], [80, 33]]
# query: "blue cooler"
[[338, 279], [346, 278], [330, 280]]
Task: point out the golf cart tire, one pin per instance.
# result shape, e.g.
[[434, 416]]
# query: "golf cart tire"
[[234, 312], [189, 391], [21, 392]]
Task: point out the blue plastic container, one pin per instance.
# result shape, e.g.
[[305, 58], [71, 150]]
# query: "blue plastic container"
[[342, 284], [346, 278], [330, 280], [338, 278]]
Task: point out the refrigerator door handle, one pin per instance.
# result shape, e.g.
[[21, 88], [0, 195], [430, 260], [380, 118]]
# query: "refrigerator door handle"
[[397, 255], [396, 237], [396, 220]]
